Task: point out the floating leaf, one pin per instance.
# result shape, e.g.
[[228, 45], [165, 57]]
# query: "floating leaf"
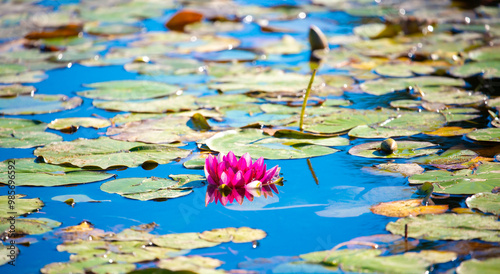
[[404, 169], [37, 104], [486, 202], [450, 131], [450, 159], [403, 70], [287, 45], [76, 198], [476, 266], [23, 133], [485, 53], [15, 90], [6, 255], [376, 30], [236, 235], [384, 86], [258, 144], [182, 241], [448, 227], [171, 104], [182, 18], [406, 149], [195, 263], [485, 134], [146, 188], [128, 90], [487, 69], [21, 206], [71, 124], [465, 181], [29, 173], [105, 152], [406, 208], [27, 226], [24, 77]]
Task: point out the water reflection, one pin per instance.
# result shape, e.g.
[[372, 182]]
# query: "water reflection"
[[225, 195]]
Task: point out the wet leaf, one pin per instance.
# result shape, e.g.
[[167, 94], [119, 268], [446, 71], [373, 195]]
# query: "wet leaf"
[[195, 263], [485, 135], [22, 206], [465, 181], [236, 235], [71, 124], [486, 202], [450, 131], [77, 267], [406, 149], [37, 104], [29, 226], [406, 208], [448, 227], [384, 86], [105, 152], [182, 241], [23, 133], [30, 173], [171, 104], [258, 144], [405, 169], [450, 159], [128, 90], [146, 188], [477, 266], [451, 96]]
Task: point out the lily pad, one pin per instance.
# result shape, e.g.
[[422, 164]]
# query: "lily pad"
[[450, 131], [236, 235], [403, 70], [462, 114], [287, 45], [21, 207], [5, 253], [485, 53], [23, 133], [488, 69], [448, 227], [450, 159], [404, 169], [105, 152], [465, 181], [27, 226], [146, 188], [37, 104], [159, 131], [15, 90], [68, 124], [406, 208], [485, 135], [171, 104], [486, 202], [182, 241], [129, 90], [488, 266], [384, 86], [257, 144], [24, 77], [406, 149], [195, 263], [29, 173]]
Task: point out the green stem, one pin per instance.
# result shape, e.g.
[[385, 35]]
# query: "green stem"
[[304, 104]]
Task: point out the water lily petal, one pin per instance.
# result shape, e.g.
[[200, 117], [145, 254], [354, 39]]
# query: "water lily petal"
[[269, 175], [254, 184], [245, 162]]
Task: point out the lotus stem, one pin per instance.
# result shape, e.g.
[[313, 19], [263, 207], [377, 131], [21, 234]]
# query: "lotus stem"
[[304, 104]]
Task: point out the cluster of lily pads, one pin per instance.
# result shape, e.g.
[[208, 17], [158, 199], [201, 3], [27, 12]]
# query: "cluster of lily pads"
[[411, 72]]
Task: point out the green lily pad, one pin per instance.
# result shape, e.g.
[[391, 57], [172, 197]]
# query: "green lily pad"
[[486, 202], [29, 173], [26, 226], [448, 227], [146, 188], [404, 169], [24, 77], [488, 69], [159, 131], [105, 152], [287, 45], [65, 124], [376, 30], [236, 235], [15, 90], [485, 53], [128, 90], [37, 104], [195, 263], [224, 100], [76, 198], [110, 29], [406, 149], [182, 241], [257, 144], [21, 207], [384, 86], [171, 104], [160, 65], [450, 159], [113, 268], [77, 267], [488, 266], [450, 96], [403, 70], [5, 253], [6, 68], [461, 114], [23, 133], [465, 181], [404, 124], [485, 135]]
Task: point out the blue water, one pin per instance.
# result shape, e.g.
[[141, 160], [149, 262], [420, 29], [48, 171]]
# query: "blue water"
[[304, 217]]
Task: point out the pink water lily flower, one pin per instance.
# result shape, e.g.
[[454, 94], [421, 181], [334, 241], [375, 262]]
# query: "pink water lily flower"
[[232, 176]]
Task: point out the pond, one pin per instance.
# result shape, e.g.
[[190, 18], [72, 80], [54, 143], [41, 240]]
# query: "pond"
[[158, 87]]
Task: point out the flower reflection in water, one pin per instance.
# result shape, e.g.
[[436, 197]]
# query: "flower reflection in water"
[[231, 179]]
